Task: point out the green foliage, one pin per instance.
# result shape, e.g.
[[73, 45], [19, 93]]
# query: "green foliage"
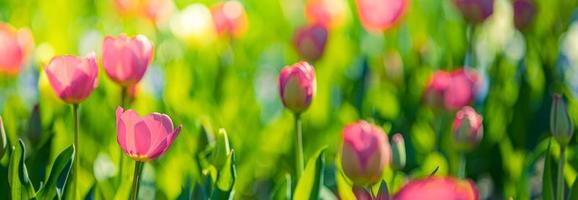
[[310, 183], [20, 185], [59, 175]]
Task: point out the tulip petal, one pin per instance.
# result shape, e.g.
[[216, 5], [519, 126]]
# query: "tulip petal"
[[142, 138]]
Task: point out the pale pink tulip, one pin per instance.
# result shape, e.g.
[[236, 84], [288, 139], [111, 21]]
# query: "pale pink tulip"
[[380, 15], [467, 128], [73, 78], [438, 188], [297, 86], [15, 48], [126, 59], [230, 18]]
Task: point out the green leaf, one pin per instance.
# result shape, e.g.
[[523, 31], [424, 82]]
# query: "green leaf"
[[283, 188], [222, 149], [309, 185], [547, 183], [20, 185], [226, 179], [574, 190], [59, 174], [383, 193]]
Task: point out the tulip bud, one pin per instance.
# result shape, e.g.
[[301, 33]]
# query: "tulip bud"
[[398, 151], [230, 18], [297, 86], [435, 187], [310, 41], [560, 123], [73, 78], [467, 128], [435, 90], [126, 59], [144, 138], [380, 15], [524, 12], [365, 153], [15, 48], [3, 140], [475, 11]]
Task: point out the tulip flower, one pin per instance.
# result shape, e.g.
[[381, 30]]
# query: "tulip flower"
[[329, 13], [126, 59], [143, 138], [230, 18], [15, 48], [73, 78], [156, 11], [398, 155], [475, 11], [297, 86], [310, 41], [194, 25], [435, 187], [524, 13], [3, 140], [380, 15], [467, 128], [365, 153], [452, 90]]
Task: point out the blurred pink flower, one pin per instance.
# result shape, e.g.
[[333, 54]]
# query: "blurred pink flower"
[[475, 11], [452, 90], [365, 153], [438, 188], [380, 15], [524, 12], [467, 128], [297, 86], [73, 78], [157, 11], [230, 18], [15, 48], [310, 41], [126, 59], [144, 138], [329, 13]]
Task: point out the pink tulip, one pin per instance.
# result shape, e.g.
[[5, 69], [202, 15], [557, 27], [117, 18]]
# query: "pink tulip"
[[365, 153], [73, 78], [144, 138], [329, 13], [452, 90], [297, 86], [435, 90], [15, 48], [380, 15], [157, 11], [126, 59], [467, 128], [475, 11], [438, 188], [524, 12], [310, 41], [230, 18]]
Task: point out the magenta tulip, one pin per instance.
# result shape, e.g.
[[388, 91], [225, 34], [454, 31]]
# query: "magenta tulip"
[[475, 11], [365, 153], [380, 15], [467, 128], [452, 90], [73, 78], [438, 188], [144, 138], [297, 86], [230, 18], [15, 48], [126, 59], [310, 41], [524, 12]]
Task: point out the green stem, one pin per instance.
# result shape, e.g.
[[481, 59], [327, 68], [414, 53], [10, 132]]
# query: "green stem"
[[298, 147], [123, 95], [76, 149], [136, 179], [560, 186], [462, 167]]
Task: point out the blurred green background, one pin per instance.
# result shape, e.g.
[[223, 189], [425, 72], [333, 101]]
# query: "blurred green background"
[[213, 82]]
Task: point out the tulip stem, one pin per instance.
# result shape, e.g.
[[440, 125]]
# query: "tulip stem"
[[123, 94], [76, 149], [462, 167], [560, 186], [298, 147], [136, 179]]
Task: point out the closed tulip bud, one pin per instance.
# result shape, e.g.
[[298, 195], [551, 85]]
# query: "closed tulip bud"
[[524, 12], [398, 151], [434, 187], [73, 78], [467, 128], [144, 138], [475, 11], [380, 15], [230, 18], [365, 153], [15, 48], [297, 86], [3, 140], [310, 41], [126, 59], [560, 123]]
